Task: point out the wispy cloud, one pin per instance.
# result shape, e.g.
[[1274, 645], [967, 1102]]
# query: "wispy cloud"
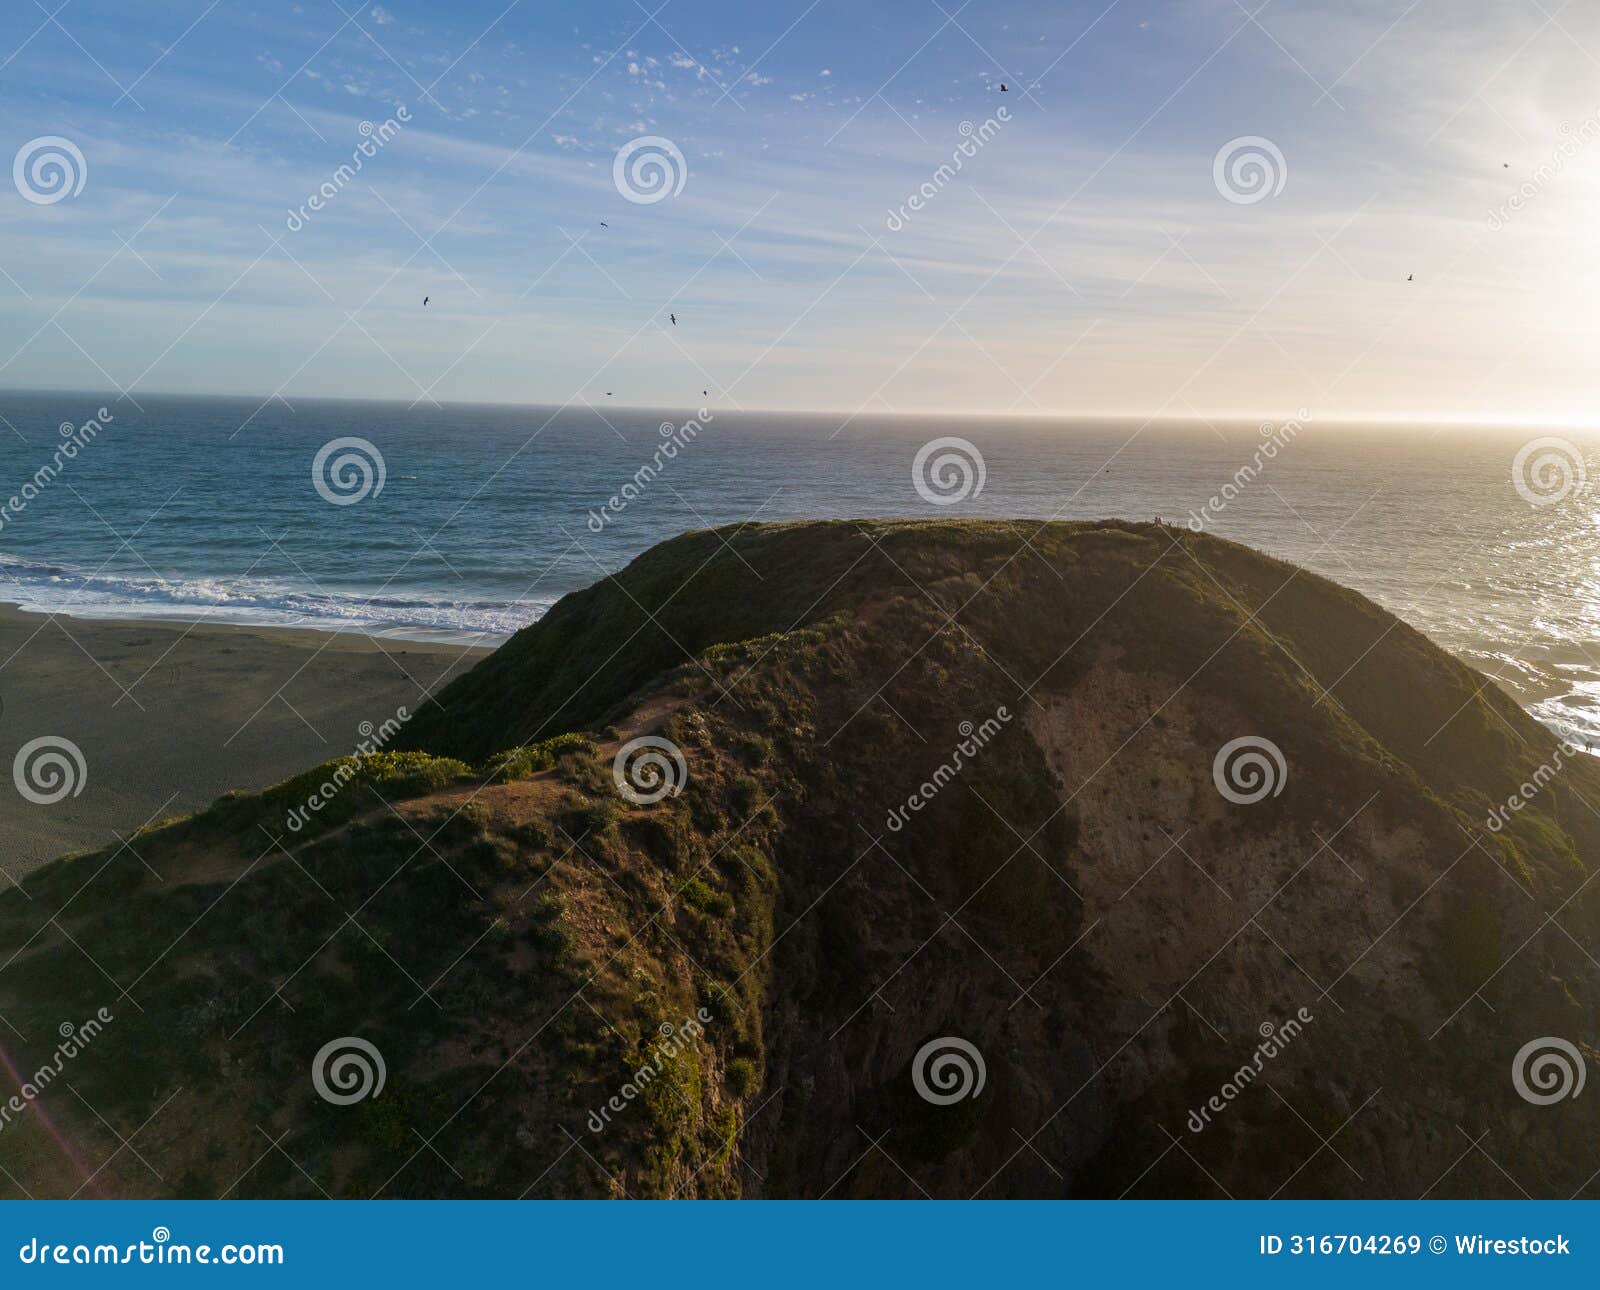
[[1095, 206]]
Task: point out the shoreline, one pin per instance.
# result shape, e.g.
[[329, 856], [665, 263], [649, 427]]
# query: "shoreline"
[[201, 707], [445, 638], [177, 616]]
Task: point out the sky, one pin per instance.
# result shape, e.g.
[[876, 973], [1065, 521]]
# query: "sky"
[[853, 215]]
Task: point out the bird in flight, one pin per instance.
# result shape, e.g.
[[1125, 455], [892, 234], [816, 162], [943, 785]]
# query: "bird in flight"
[[424, 302], [674, 318], [603, 224], [1408, 277], [1002, 87]]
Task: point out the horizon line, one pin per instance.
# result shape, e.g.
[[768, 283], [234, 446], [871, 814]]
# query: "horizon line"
[[1366, 417]]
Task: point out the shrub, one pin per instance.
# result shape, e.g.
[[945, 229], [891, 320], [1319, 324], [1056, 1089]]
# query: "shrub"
[[742, 1076], [345, 785], [590, 818], [699, 896], [531, 759]]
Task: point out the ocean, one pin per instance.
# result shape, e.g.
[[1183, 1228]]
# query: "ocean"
[[465, 523]]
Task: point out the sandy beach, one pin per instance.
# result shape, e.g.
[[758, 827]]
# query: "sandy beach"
[[169, 716]]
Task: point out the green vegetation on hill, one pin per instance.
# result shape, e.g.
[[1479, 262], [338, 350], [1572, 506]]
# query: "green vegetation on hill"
[[724, 992]]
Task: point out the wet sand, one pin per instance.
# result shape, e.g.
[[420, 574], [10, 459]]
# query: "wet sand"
[[169, 716]]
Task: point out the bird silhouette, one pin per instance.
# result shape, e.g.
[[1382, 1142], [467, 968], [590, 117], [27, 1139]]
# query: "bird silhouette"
[[674, 318], [1002, 87], [603, 224], [1408, 277], [425, 302]]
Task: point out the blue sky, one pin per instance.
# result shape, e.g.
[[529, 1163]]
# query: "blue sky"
[[1082, 259]]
